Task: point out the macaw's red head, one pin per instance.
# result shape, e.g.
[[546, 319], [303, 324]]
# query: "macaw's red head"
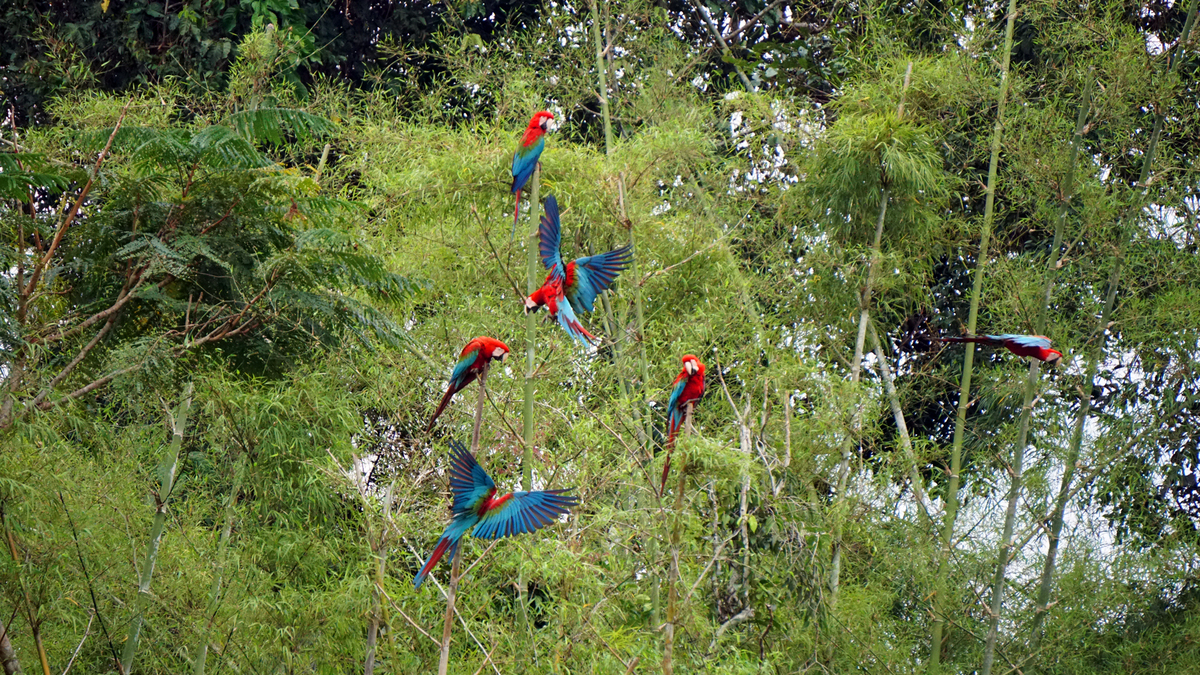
[[1051, 356], [692, 365], [542, 120], [495, 349]]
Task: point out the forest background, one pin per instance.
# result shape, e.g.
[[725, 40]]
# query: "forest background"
[[244, 241]]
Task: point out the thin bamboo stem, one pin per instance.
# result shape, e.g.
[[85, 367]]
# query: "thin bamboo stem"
[[940, 600], [902, 427], [639, 397], [673, 573], [380, 547], [601, 75], [1031, 385], [531, 282], [169, 474], [448, 626]]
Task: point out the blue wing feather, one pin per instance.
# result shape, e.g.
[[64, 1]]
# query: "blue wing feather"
[[1024, 340], [468, 481], [675, 414], [594, 274], [550, 238], [526, 512], [461, 369], [525, 160]]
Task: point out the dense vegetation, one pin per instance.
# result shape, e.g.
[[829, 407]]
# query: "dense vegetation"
[[245, 241]]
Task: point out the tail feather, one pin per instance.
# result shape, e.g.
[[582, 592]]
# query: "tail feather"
[[516, 215], [443, 545], [672, 429], [450, 391], [980, 339]]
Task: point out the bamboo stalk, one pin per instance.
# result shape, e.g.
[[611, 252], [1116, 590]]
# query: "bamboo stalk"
[[1099, 336], [1031, 385], [531, 281], [222, 547], [902, 427], [448, 626], [169, 474], [835, 565], [34, 624], [639, 398], [673, 573], [381, 551], [601, 74], [964, 395], [8, 657], [452, 589]]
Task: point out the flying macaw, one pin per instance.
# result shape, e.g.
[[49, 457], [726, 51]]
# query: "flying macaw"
[[525, 159], [585, 278], [476, 506], [478, 353], [551, 296], [1037, 346], [688, 388]]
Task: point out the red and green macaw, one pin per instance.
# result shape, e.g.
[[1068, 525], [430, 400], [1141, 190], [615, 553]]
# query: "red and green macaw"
[[584, 278], [687, 388], [478, 353], [525, 159], [1037, 346], [550, 296], [479, 510]]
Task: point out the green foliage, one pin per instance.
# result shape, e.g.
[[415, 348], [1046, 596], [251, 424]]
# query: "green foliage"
[[318, 311]]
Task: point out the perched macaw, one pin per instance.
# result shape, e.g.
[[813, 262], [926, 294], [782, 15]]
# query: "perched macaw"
[[476, 506], [1037, 346], [551, 296], [584, 278], [688, 388], [525, 159], [471, 361]]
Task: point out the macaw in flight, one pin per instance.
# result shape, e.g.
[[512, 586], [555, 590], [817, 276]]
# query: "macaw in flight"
[[477, 507], [478, 353], [1037, 346], [584, 278], [550, 295], [525, 159], [688, 388]]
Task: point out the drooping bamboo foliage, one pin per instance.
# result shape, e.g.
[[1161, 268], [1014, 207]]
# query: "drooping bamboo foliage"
[[1099, 335], [855, 433], [168, 474]]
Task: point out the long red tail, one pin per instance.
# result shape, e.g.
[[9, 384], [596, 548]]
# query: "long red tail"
[[662, 487], [516, 214], [432, 562], [450, 391], [969, 338]]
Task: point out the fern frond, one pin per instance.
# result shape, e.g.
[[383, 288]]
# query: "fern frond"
[[269, 125]]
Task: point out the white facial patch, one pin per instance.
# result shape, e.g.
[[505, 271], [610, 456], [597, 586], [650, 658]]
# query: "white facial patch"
[[498, 352], [549, 124]]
